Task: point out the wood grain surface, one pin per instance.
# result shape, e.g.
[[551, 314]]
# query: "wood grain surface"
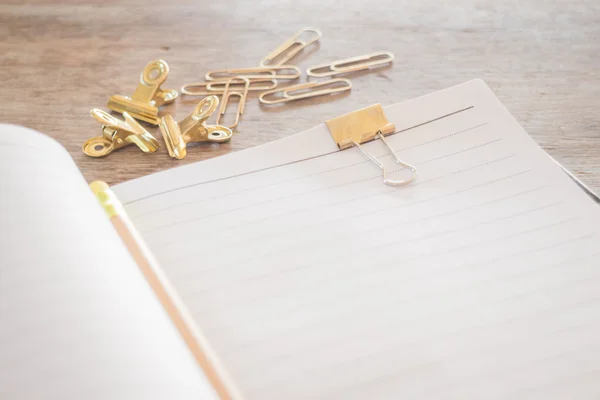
[[542, 59]]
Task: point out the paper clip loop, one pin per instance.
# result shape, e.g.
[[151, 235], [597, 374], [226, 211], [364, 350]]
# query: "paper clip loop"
[[288, 49], [286, 94], [362, 126], [117, 134], [144, 102], [284, 72], [350, 64], [218, 87], [193, 128], [227, 93]]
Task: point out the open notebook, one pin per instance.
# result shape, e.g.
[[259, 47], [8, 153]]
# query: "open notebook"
[[309, 278]]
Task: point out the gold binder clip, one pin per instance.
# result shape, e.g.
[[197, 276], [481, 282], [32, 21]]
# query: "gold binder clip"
[[193, 128], [227, 93], [284, 72], [288, 49], [148, 96], [363, 126], [286, 94], [217, 87], [350, 64], [117, 134]]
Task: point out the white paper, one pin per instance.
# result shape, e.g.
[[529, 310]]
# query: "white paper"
[[312, 279], [77, 318]]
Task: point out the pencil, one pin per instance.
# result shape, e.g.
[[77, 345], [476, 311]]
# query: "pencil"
[[196, 342]]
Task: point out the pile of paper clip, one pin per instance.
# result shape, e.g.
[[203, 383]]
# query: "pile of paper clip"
[[143, 104]]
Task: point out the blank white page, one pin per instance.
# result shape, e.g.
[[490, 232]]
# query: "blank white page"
[[77, 318], [312, 279]]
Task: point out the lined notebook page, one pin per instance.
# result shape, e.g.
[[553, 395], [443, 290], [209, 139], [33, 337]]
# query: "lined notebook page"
[[312, 279], [77, 318]]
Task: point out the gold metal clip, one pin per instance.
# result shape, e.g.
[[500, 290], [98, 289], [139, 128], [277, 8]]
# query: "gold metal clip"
[[117, 134], [148, 96], [193, 128], [362, 126], [288, 49], [286, 94], [227, 93], [350, 64], [284, 72], [218, 87]]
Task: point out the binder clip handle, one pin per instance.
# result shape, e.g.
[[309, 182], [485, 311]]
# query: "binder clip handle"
[[214, 133], [148, 96], [117, 134], [154, 75], [193, 128], [205, 108], [389, 182]]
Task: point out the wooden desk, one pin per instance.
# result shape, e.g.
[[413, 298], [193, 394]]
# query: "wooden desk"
[[541, 59]]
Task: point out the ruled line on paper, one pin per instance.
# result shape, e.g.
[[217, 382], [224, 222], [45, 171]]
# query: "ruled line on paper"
[[366, 161], [574, 348], [199, 251], [483, 241], [345, 338], [373, 177], [222, 305], [478, 146], [397, 346], [578, 351], [487, 262], [365, 358], [378, 176], [196, 202], [363, 232], [180, 256], [299, 161], [502, 218], [555, 384], [435, 119], [348, 337], [323, 368], [436, 139], [286, 270]]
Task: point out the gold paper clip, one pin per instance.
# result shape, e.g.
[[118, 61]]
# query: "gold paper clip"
[[359, 127], [276, 72], [286, 94], [227, 93], [218, 87], [148, 96], [193, 128], [350, 64], [117, 134], [288, 49]]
